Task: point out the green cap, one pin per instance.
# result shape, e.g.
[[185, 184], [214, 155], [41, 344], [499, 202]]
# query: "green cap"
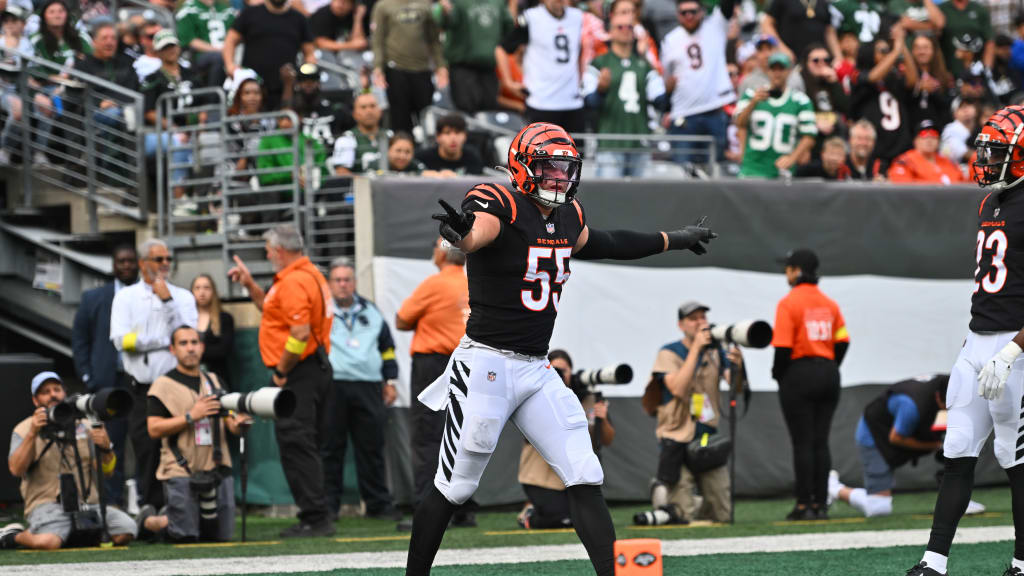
[[780, 58]]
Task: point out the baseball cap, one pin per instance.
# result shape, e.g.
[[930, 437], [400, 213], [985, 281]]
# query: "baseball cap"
[[308, 71], [163, 39], [927, 128], [691, 306], [802, 258], [779, 58], [765, 39], [968, 42], [42, 378], [17, 11]]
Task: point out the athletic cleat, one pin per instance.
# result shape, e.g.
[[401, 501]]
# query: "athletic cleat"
[[7, 535], [524, 517], [922, 569], [1013, 571], [974, 508]]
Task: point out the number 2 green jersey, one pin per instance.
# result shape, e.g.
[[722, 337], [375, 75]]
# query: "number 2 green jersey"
[[207, 23], [776, 125], [624, 106], [863, 18]]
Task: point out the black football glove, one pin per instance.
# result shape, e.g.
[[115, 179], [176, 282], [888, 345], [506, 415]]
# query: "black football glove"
[[691, 237], [454, 225]]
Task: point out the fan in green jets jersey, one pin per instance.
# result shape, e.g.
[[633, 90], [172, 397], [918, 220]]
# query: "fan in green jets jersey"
[[779, 123], [866, 19], [202, 27], [620, 84]]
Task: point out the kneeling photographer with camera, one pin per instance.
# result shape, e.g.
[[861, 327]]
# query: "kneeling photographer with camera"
[[185, 413], [683, 393], [54, 453]]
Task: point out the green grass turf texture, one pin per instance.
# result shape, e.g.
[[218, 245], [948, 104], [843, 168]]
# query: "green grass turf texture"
[[753, 518]]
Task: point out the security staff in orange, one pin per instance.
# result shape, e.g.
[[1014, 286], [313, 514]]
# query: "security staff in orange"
[[295, 339], [437, 311], [810, 341]]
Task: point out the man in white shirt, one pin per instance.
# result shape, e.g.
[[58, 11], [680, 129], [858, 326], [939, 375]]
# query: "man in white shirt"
[[142, 318], [694, 58], [957, 134]]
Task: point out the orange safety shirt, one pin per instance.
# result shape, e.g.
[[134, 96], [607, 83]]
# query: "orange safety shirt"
[[438, 308], [810, 323], [299, 295]]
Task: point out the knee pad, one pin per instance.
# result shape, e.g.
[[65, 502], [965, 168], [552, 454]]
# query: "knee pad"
[[458, 491], [587, 471], [958, 443], [877, 506]]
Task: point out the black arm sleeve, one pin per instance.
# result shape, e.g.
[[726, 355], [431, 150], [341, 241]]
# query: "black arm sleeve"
[[841, 348], [621, 245], [782, 361]]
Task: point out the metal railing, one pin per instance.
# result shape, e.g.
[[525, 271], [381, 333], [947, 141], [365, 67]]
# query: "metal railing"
[[123, 10], [88, 128], [330, 220]]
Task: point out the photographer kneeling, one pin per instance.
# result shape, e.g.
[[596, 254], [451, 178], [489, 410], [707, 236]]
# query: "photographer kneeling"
[[683, 393], [48, 468], [195, 467], [548, 504]]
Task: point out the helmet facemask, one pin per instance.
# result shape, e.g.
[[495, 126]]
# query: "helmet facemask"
[[996, 164], [555, 179]]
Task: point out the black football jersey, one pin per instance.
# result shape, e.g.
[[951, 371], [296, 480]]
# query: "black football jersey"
[[516, 281], [998, 301]]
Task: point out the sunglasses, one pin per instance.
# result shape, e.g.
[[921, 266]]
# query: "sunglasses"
[[689, 12], [162, 259], [826, 60], [623, 27]]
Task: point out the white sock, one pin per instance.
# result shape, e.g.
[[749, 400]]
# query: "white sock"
[[1018, 564], [935, 561], [858, 499]]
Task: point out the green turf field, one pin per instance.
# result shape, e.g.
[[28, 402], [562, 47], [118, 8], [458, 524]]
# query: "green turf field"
[[498, 529]]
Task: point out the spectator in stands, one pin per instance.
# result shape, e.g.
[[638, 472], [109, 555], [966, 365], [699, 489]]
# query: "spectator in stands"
[[799, 23], [12, 35], [861, 161], [772, 150], [696, 75], [406, 48], [147, 61], [918, 16], [1003, 82], [274, 34], [401, 159], [551, 35], [245, 98], [450, 156], [882, 92], [957, 135], [359, 148], [216, 328], [832, 164], [968, 29], [338, 31], [322, 118], [184, 413], [276, 152], [930, 96], [1017, 53], [757, 65], [646, 44], [1004, 14], [171, 77], [202, 27], [866, 19], [364, 373], [846, 64], [923, 164], [41, 468], [115, 67], [973, 84], [142, 317], [620, 84], [819, 81], [97, 362], [473, 29], [510, 83]]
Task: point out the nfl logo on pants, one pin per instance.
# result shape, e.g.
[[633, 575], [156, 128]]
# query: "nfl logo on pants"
[[638, 557], [491, 376]]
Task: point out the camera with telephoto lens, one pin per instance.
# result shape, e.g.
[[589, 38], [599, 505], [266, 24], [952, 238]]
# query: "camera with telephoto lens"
[[746, 333], [269, 402], [106, 404], [584, 382]]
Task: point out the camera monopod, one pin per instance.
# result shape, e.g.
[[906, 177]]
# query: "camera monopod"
[[736, 378], [244, 472]]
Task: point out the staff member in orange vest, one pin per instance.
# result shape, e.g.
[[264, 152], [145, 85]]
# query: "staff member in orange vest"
[[295, 339], [810, 342], [437, 311]]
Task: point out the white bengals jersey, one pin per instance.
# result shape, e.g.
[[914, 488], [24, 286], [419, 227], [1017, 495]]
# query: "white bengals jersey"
[[551, 63], [697, 61]]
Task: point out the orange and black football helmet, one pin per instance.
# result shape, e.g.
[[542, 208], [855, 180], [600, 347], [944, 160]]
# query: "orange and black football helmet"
[[544, 164], [1000, 150]]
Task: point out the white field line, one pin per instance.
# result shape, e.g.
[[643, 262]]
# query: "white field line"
[[506, 555]]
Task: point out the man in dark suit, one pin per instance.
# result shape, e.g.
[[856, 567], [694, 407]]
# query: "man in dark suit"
[[96, 359]]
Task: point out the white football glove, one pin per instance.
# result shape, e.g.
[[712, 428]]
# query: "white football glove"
[[992, 378]]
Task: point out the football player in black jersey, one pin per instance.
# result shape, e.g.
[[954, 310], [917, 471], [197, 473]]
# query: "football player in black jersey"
[[519, 241], [985, 386]]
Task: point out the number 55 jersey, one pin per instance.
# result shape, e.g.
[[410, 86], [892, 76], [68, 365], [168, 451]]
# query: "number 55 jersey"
[[515, 282], [998, 301]]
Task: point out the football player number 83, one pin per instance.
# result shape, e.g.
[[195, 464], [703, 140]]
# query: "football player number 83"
[[996, 240], [534, 274]]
